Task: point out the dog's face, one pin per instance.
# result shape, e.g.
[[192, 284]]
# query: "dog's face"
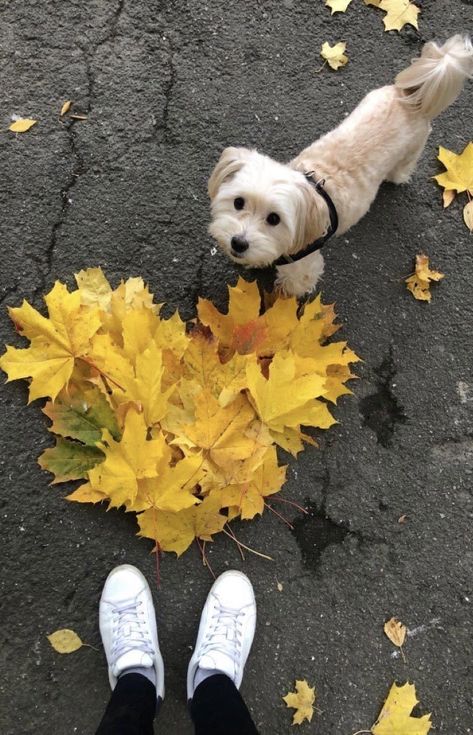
[[261, 209]]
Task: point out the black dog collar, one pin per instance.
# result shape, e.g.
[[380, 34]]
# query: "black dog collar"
[[317, 244]]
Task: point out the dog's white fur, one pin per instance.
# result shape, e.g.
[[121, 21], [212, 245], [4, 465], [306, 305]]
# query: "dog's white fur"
[[381, 140]]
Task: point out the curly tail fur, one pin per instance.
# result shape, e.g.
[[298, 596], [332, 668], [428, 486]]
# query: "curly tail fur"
[[434, 80]]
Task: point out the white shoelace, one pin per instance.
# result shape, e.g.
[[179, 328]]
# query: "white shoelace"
[[129, 633], [227, 634]]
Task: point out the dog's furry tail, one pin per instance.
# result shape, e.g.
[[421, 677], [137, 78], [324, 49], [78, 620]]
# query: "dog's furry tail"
[[434, 80]]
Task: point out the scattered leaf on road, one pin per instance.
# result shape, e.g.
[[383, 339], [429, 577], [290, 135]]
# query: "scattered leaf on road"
[[459, 173], [22, 125], [65, 641], [302, 700], [398, 14], [66, 107], [395, 631], [448, 196], [419, 283], [334, 55], [280, 587], [468, 215], [395, 717], [338, 6]]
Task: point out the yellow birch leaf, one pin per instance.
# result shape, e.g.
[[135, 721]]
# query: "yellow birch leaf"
[[395, 717], [22, 125], [395, 631], [302, 700], [398, 14], [334, 55], [66, 107], [468, 215], [448, 195], [65, 641], [338, 6], [459, 173]]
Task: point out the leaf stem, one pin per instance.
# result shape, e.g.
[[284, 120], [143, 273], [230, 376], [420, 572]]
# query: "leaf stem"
[[236, 541], [248, 548], [290, 502], [108, 377], [284, 520]]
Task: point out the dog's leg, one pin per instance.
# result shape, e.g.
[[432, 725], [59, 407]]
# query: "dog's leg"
[[403, 171], [301, 277]]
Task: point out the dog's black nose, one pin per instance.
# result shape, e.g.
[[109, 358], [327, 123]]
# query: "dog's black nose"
[[239, 243]]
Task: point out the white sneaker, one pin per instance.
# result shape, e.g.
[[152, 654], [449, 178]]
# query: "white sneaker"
[[226, 631], [128, 625]]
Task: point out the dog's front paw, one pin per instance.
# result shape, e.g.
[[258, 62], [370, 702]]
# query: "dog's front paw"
[[301, 277]]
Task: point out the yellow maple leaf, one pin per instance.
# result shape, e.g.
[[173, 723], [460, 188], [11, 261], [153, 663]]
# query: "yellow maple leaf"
[[334, 55], [395, 631], [338, 6], [419, 283], [132, 458], [65, 641], [243, 309], [56, 342], [285, 400], [395, 717], [266, 480], [176, 531], [398, 14], [22, 125], [459, 173], [173, 488], [302, 700], [94, 289]]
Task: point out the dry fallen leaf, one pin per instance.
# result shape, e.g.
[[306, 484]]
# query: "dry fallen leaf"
[[65, 641], [338, 6], [78, 117], [468, 215], [459, 173], [66, 107], [372, 2], [395, 631], [334, 55], [419, 283], [398, 14], [395, 717], [448, 196], [22, 125], [280, 587], [302, 700]]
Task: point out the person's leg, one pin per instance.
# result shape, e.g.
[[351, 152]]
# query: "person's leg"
[[135, 665], [215, 672]]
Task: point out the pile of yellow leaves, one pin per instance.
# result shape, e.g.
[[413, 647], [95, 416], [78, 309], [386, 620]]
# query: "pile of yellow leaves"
[[175, 424]]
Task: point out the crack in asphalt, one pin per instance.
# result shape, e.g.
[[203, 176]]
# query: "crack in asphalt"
[[161, 126]]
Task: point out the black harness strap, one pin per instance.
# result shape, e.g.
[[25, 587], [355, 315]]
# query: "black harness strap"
[[320, 242]]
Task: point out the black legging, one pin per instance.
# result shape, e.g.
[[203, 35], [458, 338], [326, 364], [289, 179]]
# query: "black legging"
[[217, 708]]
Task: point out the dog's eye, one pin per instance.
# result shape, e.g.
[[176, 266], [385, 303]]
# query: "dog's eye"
[[273, 219], [239, 203]]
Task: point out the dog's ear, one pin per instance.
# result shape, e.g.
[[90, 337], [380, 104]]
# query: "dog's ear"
[[230, 162], [309, 216]]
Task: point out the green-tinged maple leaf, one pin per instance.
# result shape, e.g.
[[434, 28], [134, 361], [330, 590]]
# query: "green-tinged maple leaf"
[[69, 460], [82, 414]]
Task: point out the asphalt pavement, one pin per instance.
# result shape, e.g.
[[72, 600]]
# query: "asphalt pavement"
[[164, 87]]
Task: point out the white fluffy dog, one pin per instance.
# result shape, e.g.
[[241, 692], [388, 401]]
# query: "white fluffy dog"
[[266, 212]]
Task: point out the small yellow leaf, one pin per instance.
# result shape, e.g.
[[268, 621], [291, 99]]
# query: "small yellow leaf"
[[398, 14], [338, 6], [22, 125], [65, 641], [66, 107], [448, 196], [468, 215], [302, 700], [280, 587], [395, 717], [459, 173], [419, 283], [395, 631], [334, 55], [372, 2]]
